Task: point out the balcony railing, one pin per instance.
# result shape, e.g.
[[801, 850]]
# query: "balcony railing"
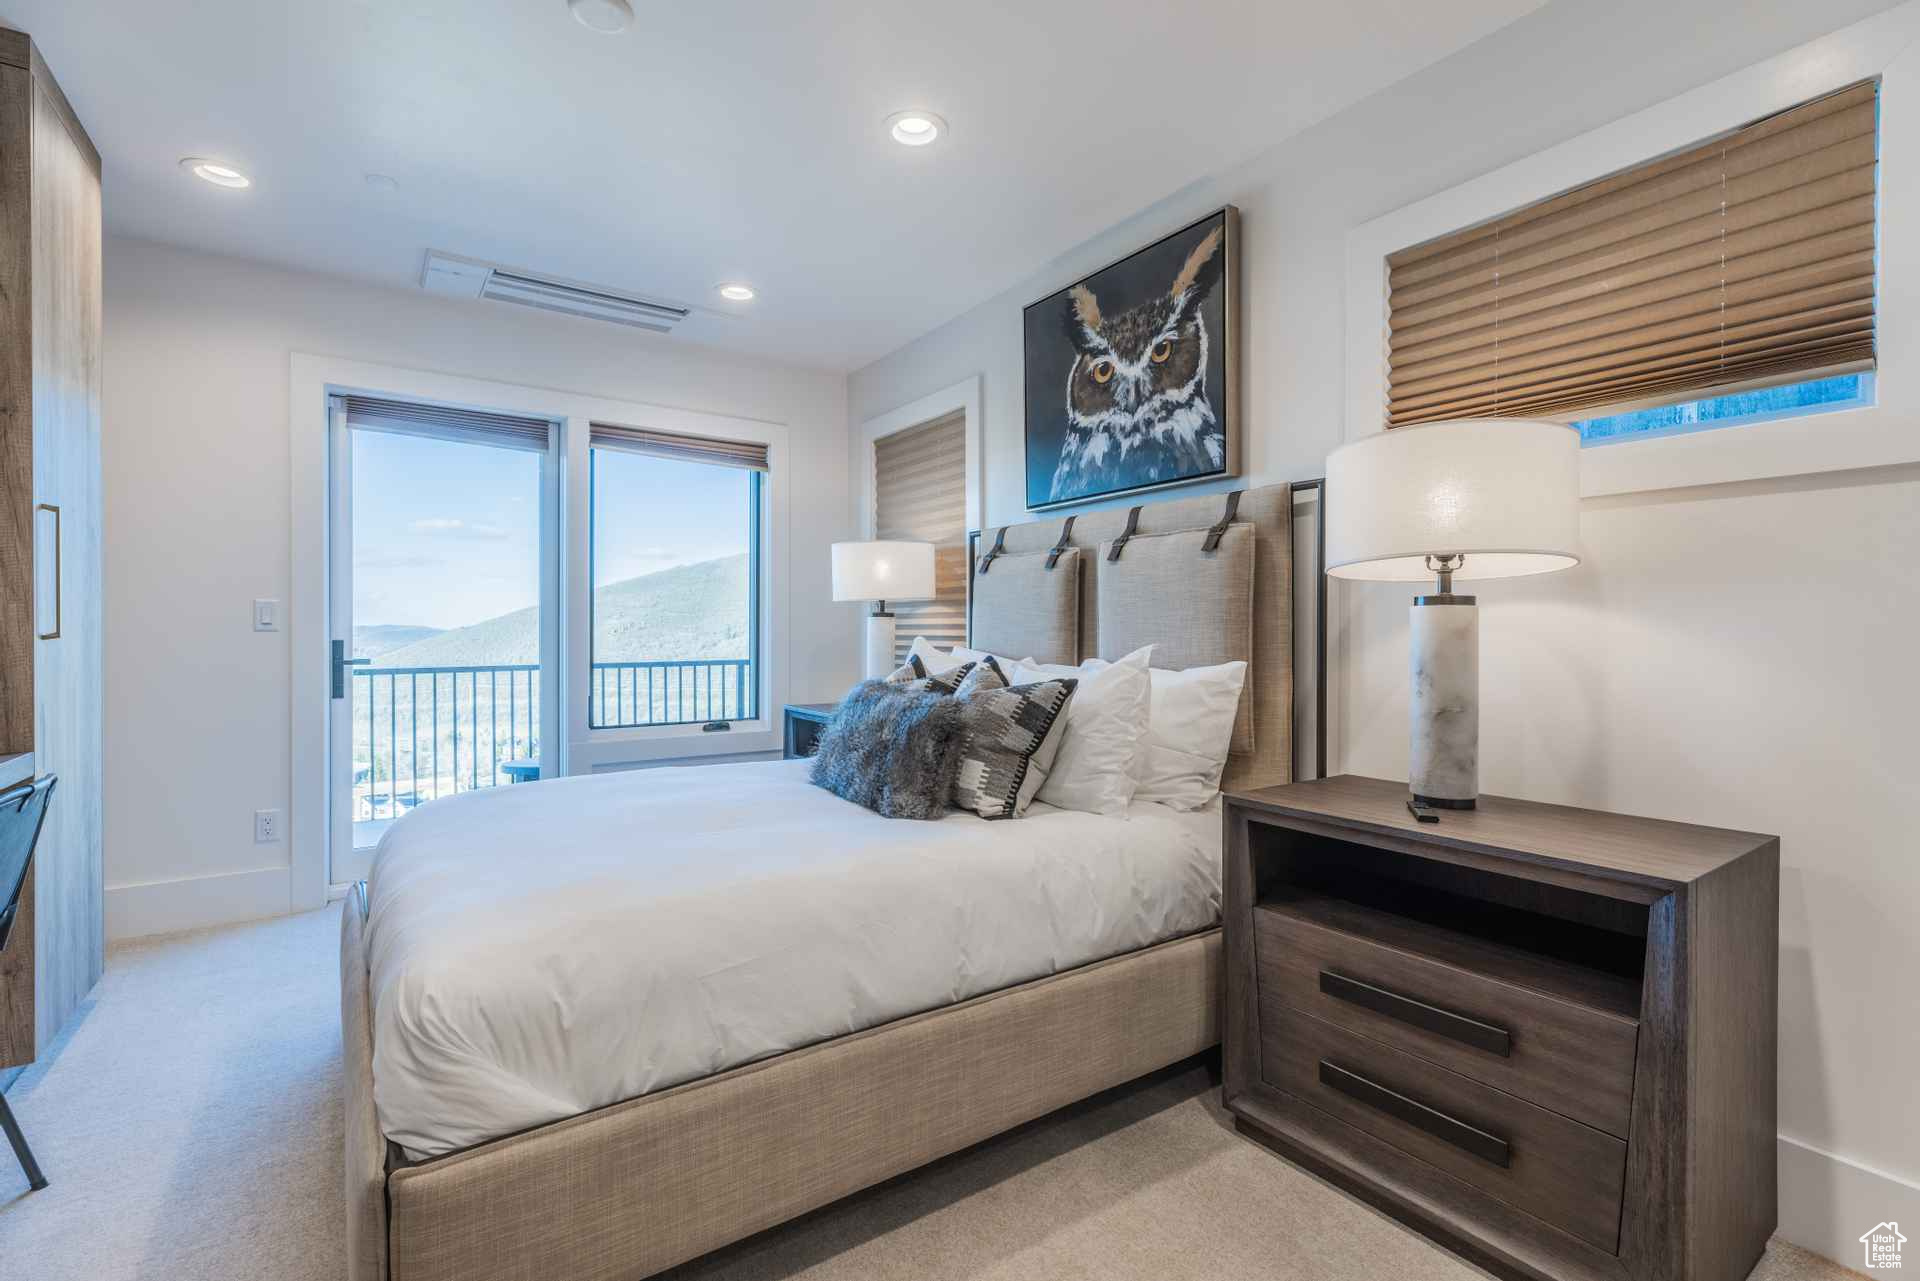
[[668, 692], [424, 732]]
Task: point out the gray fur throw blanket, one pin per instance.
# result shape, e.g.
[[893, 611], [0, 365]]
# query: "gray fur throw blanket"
[[893, 749]]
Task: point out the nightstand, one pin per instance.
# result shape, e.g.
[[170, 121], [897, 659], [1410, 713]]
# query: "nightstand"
[[1542, 1036], [804, 722]]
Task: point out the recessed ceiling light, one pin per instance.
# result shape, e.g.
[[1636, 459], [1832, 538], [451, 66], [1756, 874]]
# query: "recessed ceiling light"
[[734, 291], [915, 128], [382, 182], [608, 17], [216, 173]]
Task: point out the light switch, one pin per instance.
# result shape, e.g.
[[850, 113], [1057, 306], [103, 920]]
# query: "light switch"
[[266, 615]]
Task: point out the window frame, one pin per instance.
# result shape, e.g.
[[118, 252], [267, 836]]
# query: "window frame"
[[622, 747], [756, 500], [1878, 434]]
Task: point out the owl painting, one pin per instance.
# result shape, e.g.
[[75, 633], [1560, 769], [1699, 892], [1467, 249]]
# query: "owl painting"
[[1130, 388]]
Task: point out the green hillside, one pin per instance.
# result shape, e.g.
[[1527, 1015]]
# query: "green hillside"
[[379, 638], [689, 611]]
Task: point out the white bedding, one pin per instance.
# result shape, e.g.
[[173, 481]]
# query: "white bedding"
[[540, 951]]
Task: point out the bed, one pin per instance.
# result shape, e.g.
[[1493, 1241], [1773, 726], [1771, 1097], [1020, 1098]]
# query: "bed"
[[827, 998]]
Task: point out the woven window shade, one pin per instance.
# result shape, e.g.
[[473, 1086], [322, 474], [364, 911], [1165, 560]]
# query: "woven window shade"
[[442, 422], [749, 454], [1747, 259], [920, 493]]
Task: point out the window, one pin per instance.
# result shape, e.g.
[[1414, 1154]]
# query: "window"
[[1744, 264], [676, 579], [1817, 395], [920, 494]]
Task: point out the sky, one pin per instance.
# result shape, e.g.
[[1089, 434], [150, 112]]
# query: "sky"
[[446, 534]]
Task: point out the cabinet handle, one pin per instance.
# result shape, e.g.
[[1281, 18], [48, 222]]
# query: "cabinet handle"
[[1430, 1018], [1470, 1139], [55, 633]]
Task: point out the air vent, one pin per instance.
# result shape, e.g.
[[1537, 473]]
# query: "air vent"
[[459, 277]]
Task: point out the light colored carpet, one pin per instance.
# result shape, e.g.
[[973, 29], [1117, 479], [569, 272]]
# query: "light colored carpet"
[[190, 1123]]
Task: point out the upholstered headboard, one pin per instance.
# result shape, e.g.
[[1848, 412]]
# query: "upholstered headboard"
[[1205, 580]]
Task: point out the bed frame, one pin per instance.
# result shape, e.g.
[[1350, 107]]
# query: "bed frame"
[[629, 1190]]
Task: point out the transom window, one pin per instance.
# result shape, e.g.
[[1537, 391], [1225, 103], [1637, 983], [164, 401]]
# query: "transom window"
[[1765, 404]]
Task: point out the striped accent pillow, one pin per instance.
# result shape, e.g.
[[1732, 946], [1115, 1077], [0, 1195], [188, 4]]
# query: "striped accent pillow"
[[1008, 742], [985, 674], [913, 674]]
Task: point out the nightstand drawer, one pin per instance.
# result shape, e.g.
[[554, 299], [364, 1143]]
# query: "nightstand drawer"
[[1382, 976], [1561, 1172]]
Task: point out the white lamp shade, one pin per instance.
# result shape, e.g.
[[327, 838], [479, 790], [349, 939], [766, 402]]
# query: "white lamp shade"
[[883, 570], [1502, 492]]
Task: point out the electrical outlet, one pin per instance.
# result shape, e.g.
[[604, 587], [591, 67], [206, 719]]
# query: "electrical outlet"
[[266, 826]]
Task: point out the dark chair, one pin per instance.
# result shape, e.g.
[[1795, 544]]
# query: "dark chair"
[[22, 810]]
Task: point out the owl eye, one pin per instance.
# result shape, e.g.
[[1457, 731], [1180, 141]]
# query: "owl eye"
[[1102, 370], [1161, 350]]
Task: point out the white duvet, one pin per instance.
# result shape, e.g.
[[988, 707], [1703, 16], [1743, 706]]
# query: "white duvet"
[[540, 951]]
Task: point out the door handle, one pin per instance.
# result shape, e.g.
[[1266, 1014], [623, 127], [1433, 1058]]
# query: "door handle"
[[1468, 1138], [340, 665], [1406, 1009], [55, 511]]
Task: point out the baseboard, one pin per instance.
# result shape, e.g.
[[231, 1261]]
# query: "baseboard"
[[194, 902], [1828, 1202]]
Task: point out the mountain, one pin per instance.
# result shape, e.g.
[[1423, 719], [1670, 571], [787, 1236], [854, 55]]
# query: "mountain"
[[380, 638], [689, 611]]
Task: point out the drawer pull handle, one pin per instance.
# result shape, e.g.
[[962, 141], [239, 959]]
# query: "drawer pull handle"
[[1430, 1018], [1467, 1138]]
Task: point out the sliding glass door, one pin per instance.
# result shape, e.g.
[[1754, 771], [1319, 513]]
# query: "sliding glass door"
[[444, 580]]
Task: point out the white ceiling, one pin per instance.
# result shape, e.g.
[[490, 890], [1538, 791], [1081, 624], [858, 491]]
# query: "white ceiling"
[[716, 140]]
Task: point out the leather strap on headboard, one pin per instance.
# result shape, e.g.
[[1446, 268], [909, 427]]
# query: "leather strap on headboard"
[[1053, 553], [1219, 528], [1120, 543], [999, 548]]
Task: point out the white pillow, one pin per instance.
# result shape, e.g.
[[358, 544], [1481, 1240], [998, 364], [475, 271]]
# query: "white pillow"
[[1106, 725], [1188, 733], [939, 660]]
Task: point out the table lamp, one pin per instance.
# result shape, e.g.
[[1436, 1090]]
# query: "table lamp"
[[1473, 498], [881, 571]]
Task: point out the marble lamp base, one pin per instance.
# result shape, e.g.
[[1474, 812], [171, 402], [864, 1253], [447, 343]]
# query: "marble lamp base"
[[1443, 765], [880, 634]]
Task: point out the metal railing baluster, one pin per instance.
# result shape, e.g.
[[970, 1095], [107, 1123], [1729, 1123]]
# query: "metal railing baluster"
[[473, 738], [393, 745], [373, 754]]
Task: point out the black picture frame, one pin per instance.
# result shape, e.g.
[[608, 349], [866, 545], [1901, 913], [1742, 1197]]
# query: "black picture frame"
[[1058, 350]]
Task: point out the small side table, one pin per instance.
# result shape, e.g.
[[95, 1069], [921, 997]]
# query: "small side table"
[[804, 724], [522, 771]]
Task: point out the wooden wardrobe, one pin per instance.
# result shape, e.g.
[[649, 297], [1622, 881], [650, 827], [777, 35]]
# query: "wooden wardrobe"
[[49, 541]]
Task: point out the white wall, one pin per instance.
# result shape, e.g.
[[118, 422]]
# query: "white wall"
[[1735, 655], [198, 356]]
